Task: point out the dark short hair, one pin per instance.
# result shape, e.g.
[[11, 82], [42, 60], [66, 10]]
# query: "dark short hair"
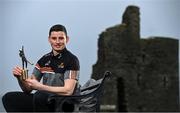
[[58, 27]]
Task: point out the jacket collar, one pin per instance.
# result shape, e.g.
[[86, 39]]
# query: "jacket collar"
[[60, 53]]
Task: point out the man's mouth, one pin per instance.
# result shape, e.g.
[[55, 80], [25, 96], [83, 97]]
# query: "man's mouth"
[[57, 45]]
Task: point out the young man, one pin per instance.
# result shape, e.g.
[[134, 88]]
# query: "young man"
[[59, 70]]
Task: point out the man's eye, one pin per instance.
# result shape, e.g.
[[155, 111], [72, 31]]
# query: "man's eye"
[[61, 38], [54, 38]]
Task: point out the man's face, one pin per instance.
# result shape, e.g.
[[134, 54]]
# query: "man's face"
[[58, 40]]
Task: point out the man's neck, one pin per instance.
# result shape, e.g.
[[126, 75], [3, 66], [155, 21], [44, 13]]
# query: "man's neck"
[[55, 52]]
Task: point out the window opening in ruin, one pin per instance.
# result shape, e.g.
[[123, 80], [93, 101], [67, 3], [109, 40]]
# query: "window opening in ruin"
[[165, 81], [138, 79], [121, 101]]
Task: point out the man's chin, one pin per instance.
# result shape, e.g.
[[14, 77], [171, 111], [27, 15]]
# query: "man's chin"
[[58, 49]]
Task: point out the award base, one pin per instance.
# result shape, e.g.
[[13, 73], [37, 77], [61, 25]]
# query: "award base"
[[24, 74]]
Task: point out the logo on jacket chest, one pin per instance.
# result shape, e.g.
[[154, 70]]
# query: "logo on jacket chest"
[[61, 65], [47, 63]]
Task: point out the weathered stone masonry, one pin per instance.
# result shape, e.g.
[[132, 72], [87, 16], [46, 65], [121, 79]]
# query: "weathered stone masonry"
[[144, 71]]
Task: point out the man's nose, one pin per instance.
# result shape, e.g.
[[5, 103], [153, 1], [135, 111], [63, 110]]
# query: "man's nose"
[[57, 40]]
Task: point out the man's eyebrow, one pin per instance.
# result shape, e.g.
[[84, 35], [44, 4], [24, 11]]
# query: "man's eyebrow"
[[60, 37]]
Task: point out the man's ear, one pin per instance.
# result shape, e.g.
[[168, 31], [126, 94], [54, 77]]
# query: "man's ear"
[[67, 39]]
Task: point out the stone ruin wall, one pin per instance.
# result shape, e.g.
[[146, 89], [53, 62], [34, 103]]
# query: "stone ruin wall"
[[144, 71]]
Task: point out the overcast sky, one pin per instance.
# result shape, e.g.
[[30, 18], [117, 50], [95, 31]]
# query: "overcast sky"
[[27, 22]]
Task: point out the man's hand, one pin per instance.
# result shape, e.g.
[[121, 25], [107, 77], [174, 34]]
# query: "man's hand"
[[34, 84], [17, 71]]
